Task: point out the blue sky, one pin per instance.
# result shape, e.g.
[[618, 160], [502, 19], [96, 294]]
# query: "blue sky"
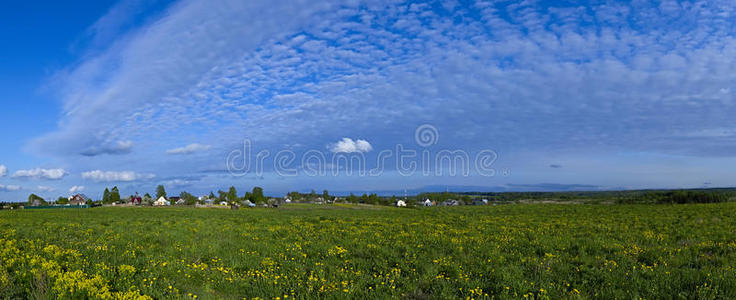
[[564, 94]]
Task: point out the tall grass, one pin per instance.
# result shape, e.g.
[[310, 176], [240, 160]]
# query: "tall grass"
[[336, 252]]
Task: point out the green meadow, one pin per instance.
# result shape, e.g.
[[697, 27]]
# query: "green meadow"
[[537, 251]]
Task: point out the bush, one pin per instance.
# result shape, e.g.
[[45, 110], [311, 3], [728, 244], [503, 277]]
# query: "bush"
[[677, 197], [681, 197]]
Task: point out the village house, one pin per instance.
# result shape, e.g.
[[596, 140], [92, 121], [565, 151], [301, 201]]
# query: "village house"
[[161, 202], [78, 199], [135, 200], [451, 202], [206, 199]]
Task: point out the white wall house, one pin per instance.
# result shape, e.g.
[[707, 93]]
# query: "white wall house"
[[161, 202]]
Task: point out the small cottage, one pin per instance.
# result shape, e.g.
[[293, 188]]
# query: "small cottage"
[[161, 202], [135, 200]]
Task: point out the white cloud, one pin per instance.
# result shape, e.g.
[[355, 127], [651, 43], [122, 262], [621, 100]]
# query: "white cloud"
[[177, 183], [348, 145], [189, 149], [43, 188], [76, 189], [115, 148], [99, 176], [38, 173], [9, 188], [3, 170]]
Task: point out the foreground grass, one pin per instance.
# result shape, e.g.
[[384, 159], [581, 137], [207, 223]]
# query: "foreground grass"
[[334, 252]]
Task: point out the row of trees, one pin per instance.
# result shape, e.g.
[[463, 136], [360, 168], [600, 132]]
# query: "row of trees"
[[311, 196], [256, 195], [370, 199], [681, 197], [230, 196], [352, 198], [109, 197], [621, 197]]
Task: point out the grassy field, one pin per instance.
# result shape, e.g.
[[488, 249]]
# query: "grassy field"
[[336, 252]]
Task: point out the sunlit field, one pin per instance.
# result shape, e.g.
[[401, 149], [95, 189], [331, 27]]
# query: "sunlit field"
[[541, 251]]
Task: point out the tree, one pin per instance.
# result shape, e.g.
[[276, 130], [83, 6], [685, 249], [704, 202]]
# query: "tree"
[[352, 198], [33, 197], [466, 200], [258, 195], [212, 195], [115, 195], [147, 199], [221, 196], [62, 200], [372, 199], [232, 194], [325, 195], [106, 196], [188, 198], [160, 191], [295, 196]]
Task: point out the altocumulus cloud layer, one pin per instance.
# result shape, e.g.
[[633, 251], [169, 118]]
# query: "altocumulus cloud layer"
[[535, 78]]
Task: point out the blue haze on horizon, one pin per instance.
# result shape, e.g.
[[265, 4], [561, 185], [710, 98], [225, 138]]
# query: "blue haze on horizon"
[[571, 95]]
